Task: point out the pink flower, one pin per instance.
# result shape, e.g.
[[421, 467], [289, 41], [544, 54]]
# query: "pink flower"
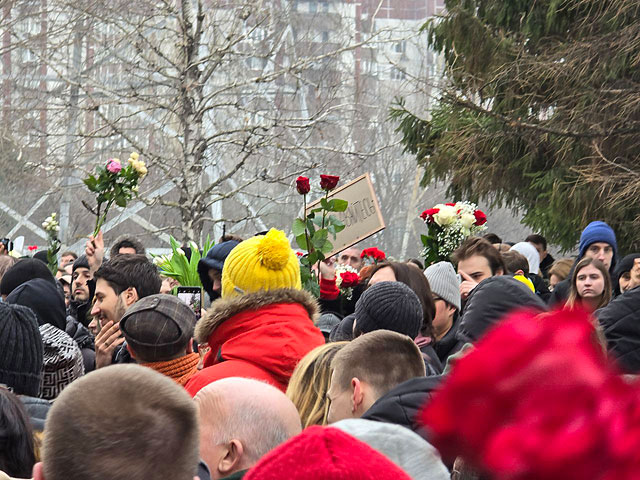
[[114, 166]]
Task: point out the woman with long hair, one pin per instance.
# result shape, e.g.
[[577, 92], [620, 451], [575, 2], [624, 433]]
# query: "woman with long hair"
[[590, 285], [310, 382]]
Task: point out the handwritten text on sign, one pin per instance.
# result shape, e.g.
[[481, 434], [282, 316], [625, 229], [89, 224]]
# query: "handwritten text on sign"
[[362, 218]]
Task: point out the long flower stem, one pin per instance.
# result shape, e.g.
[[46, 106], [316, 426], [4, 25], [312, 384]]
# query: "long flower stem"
[[324, 217], [306, 232]]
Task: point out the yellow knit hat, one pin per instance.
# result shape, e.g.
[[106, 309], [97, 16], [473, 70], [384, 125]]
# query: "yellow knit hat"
[[263, 262]]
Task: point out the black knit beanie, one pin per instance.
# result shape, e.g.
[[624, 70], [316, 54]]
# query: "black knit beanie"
[[44, 299], [23, 271], [80, 262], [21, 351], [389, 306]]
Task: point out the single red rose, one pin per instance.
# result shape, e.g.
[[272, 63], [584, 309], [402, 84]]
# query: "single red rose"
[[302, 185], [31, 248], [300, 254], [328, 182], [428, 214], [450, 204], [481, 218], [349, 279]]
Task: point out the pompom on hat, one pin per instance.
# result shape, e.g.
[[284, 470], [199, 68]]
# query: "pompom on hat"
[[263, 262]]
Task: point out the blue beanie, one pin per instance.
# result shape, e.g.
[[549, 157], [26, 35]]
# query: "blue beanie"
[[598, 232]]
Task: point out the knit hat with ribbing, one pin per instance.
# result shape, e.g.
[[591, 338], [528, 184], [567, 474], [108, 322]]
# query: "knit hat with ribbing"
[[20, 350], [444, 282], [23, 271], [389, 306], [598, 232], [325, 453], [263, 262]]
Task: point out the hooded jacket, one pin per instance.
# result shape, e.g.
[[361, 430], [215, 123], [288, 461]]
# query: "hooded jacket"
[[214, 260], [261, 335], [490, 301], [401, 404], [621, 323], [447, 345]]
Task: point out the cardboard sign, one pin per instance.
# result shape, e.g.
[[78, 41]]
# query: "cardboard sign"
[[362, 218]]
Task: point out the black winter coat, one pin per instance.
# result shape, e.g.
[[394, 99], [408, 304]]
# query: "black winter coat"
[[401, 404], [490, 301], [621, 323], [448, 345]]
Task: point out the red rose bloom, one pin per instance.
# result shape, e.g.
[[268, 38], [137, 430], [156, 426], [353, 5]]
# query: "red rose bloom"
[[31, 248], [302, 185], [481, 218], [450, 204], [349, 279], [428, 214], [373, 252], [328, 182]]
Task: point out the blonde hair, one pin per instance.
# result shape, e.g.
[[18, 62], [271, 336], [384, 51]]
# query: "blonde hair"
[[561, 268], [310, 382]]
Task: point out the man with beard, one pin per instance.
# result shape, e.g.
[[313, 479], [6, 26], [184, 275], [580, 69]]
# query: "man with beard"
[[120, 282]]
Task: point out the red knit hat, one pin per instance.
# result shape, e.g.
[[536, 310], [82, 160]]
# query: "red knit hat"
[[325, 453]]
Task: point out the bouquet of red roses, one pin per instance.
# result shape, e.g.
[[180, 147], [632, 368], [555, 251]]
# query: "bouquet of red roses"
[[449, 225]]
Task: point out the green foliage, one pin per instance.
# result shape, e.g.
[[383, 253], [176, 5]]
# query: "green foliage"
[[114, 187], [177, 266], [541, 112], [312, 235]]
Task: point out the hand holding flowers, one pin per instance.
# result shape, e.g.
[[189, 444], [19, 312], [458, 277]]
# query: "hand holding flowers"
[[312, 231]]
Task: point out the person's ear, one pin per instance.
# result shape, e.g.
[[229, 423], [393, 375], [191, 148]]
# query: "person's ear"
[[130, 296], [232, 459], [38, 472], [190, 347], [131, 352], [520, 272], [357, 394], [499, 272]]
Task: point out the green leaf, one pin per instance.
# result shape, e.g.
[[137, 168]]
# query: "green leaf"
[[298, 227], [301, 240], [325, 204], [121, 201], [338, 205], [326, 247], [319, 238], [313, 257]]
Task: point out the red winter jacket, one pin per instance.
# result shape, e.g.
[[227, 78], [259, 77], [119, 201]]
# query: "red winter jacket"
[[260, 335]]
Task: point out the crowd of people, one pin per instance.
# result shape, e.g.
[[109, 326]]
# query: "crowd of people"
[[105, 374]]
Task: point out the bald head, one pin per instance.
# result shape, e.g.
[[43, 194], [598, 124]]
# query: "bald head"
[[240, 421]]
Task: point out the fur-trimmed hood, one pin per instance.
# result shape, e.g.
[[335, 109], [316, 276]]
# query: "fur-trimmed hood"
[[226, 308]]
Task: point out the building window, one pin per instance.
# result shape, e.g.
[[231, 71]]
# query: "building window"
[[325, 37], [324, 6], [400, 47], [397, 74], [313, 6]]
